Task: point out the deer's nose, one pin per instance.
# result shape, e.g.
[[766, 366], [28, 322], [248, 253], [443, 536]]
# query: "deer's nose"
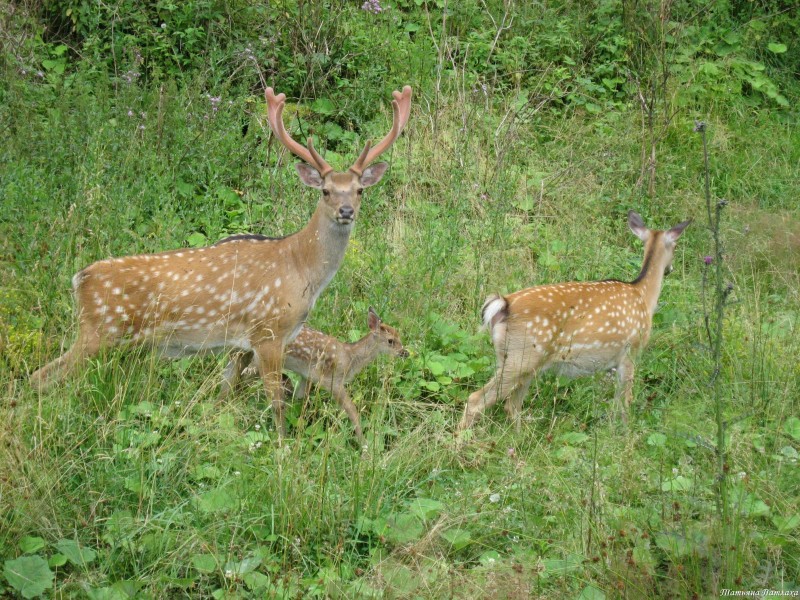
[[404, 354], [346, 212]]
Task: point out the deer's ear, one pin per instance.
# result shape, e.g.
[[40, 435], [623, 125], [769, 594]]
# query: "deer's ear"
[[373, 174], [674, 233], [636, 223], [373, 320], [309, 175]]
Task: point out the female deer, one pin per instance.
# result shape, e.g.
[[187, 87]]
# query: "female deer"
[[574, 328]]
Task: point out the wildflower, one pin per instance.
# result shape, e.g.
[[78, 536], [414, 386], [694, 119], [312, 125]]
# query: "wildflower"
[[494, 498], [699, 126], [708, 259], [40, 75], [141, 127], [229, 573], [237, 473], [512, 453], [257, 426], [130, 113], [163, 26], [372, 6]]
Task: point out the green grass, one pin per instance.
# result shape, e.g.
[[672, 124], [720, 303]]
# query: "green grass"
[[168, 494]]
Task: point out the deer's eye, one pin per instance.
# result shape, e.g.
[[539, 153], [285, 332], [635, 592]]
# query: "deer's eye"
[[360, 191], [326, 192], [391, 342]]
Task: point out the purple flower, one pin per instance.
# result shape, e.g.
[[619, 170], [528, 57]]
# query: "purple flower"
[[708, 259], [372, 6], [512, 453], [130, 113]]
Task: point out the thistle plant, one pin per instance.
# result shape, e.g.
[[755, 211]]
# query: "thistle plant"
[[714, 285]]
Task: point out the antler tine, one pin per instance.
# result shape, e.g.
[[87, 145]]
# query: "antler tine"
[[401, 106], [275, 106]]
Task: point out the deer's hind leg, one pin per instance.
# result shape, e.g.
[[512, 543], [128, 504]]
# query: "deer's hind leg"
[[87, 345], [513, 405]]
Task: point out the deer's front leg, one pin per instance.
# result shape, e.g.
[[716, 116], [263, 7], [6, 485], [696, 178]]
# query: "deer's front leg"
[[233, 373], [269, 356], [348, 407]]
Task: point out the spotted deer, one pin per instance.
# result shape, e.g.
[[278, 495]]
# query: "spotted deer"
[[326, 362], [247, 292], [574, 329]]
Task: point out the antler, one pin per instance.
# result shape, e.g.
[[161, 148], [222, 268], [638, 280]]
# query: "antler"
[[401, 105], [275, 106]]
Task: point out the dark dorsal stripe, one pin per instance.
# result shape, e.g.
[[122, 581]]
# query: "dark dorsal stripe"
[[649, 252], [247, 236]]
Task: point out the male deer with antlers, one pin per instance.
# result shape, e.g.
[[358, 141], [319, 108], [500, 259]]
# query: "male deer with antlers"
[[574, 328], [245, 292], [322, 360]]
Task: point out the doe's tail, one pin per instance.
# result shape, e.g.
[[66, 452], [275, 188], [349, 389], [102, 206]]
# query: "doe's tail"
[[494, 311]]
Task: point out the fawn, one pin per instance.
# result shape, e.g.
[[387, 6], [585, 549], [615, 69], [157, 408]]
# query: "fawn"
[[246, 292], [574, 328], [326, 362]]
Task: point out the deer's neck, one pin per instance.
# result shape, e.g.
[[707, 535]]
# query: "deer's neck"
[[321, 247], [361, 353], [651, 277]]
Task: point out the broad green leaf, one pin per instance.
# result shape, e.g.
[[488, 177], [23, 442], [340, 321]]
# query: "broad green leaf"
[[435, 368], [196, 239], [57, 560], [489, 557], [205, 563], [403, 528], [753, 506], [573, 437], [76, 554], [777, 47], [218, 499], [28, 575], [562, 566], [433, 386], [458, 538], [678, 484], [591, 593], [656, 439], [400, 579], [323, 106], [29, 544], [246, 565], [426, 508], [786, 524], [792, 427], [256, 581]]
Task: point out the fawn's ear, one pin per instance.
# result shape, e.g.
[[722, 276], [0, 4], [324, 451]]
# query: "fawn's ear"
[[636, 223], [309, 175], [373, 320], [673, 234]]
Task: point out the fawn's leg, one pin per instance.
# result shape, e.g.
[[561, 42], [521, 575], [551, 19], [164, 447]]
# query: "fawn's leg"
[[348, 407], [233, 373]]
